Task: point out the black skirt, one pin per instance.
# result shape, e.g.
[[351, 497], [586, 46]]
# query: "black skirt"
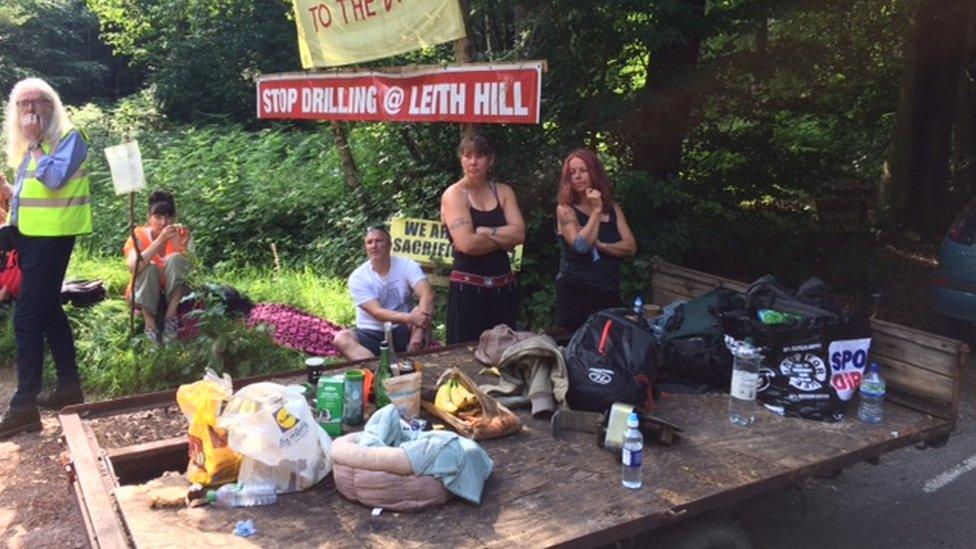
[[474, 309], [577, 300]]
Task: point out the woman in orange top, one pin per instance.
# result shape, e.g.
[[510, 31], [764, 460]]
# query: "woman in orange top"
[[163, 267]]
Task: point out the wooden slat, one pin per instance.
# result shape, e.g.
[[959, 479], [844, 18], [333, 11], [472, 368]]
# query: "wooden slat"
[[914, 380], [101, 511], [925, 339], [681, 285], [920, 356], [698, 276], [662, 297]]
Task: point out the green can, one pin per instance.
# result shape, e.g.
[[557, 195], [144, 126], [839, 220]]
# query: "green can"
[[328, 403]]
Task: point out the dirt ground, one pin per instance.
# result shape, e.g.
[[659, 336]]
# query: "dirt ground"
[[37, 506]]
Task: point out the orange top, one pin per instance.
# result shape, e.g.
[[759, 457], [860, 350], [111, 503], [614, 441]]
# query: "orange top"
[[144, 234]]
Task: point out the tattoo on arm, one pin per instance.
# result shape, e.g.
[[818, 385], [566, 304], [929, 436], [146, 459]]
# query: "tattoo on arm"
[[458, 223], [563, 221]]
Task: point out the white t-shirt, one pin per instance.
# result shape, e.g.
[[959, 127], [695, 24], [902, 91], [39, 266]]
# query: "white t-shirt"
[[394, 291]]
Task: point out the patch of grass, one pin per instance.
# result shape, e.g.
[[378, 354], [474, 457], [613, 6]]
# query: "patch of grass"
[[113, 365]]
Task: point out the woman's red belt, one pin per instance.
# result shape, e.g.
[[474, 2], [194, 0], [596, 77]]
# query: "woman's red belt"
[[495, 281]]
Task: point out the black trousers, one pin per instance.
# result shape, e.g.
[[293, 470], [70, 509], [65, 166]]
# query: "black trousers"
[[39, 318]]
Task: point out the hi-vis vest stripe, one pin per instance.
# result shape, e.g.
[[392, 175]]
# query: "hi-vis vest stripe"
[[45, 212]]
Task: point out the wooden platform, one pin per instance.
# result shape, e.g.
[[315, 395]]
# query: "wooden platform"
[[543, 492], [547, 492]]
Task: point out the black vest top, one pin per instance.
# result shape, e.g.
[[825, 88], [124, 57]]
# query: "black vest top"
[[603, 273], [492, 263]]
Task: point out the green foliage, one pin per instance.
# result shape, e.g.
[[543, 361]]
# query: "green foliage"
[[202, 54], [57, 40]]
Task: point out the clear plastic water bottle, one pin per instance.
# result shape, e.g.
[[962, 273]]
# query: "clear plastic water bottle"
[[745, 381], [632, 458], [639, 306], [240, 495], [871, 409]]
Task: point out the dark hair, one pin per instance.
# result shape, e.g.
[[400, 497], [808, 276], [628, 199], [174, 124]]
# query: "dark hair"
[[162, 203], [476, 143], [598, 180]]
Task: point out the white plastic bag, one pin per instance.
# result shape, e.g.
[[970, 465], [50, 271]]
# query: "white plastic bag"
[[274, 428]]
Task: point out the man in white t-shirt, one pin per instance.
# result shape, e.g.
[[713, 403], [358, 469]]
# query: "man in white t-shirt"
[[382, 290]]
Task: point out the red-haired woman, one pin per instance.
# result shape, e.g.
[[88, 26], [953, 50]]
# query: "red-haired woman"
[[594, 237], [484, 222]]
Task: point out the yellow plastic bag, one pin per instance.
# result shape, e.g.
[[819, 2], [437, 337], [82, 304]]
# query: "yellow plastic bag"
[[211, 460]]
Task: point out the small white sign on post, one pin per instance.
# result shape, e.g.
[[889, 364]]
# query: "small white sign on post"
[[125, 163]]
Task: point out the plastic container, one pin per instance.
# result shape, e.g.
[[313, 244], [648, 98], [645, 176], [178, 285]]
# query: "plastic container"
[[313, 369], [873, 389], [745, 381], [352, 410], [240, 495], [632, 457]]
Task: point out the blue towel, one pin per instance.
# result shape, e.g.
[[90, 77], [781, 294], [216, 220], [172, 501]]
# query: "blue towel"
[[459, 463]]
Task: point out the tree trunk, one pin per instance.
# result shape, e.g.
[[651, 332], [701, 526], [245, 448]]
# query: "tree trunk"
[[963, 182], [345, 154], [659, 123], [917, 197]]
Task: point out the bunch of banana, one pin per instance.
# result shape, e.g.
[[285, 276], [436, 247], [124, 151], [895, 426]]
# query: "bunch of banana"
[[453, 397]]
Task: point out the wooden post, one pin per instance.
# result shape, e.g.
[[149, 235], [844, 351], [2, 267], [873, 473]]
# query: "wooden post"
[[135, 270], [463, 54]]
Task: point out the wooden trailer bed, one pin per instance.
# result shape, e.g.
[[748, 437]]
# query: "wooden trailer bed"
[[544, 491]]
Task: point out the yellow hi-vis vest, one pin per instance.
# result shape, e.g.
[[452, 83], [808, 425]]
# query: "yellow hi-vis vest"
[[64, 212]]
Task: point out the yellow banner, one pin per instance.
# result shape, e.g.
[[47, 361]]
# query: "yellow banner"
[[340, 32], [427, 243]]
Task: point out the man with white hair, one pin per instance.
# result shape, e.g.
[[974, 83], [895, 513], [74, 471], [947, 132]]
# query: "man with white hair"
[[50, 204]]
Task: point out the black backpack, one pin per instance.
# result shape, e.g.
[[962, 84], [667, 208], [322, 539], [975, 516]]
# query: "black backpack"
[[693, 343], [612, 357]]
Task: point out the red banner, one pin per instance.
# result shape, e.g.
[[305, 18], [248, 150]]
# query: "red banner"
[[481, 94]]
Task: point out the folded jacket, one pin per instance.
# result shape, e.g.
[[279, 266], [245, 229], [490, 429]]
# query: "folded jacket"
[[533, 368]]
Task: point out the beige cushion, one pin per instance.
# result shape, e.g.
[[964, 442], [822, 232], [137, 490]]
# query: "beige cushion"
[[347, 451], [389, 491]]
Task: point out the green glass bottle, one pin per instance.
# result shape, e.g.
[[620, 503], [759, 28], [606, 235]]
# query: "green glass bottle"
[[382, 372]]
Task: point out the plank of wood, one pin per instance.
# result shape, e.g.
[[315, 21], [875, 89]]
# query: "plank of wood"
[[916, 381], [919, 356], [101, 512], [705, 279], [662, 297], [932, 341]]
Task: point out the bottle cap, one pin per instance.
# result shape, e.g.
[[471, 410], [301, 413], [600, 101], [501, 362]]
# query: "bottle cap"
[[355, 375], [384, 344], [633, 420], [211, 496], [314, 361]]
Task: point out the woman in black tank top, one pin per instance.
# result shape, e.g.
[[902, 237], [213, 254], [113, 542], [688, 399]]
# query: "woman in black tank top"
[[593, 239], [484, 222]]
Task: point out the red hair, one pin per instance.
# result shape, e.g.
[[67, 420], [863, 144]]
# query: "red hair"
[[598, 180]]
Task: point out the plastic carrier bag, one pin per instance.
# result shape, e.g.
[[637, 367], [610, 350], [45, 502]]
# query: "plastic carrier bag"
[[274, 428], [211, 460], [813, 359]]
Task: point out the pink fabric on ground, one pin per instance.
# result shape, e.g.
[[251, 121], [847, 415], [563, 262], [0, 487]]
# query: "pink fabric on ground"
[[296, 329]]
